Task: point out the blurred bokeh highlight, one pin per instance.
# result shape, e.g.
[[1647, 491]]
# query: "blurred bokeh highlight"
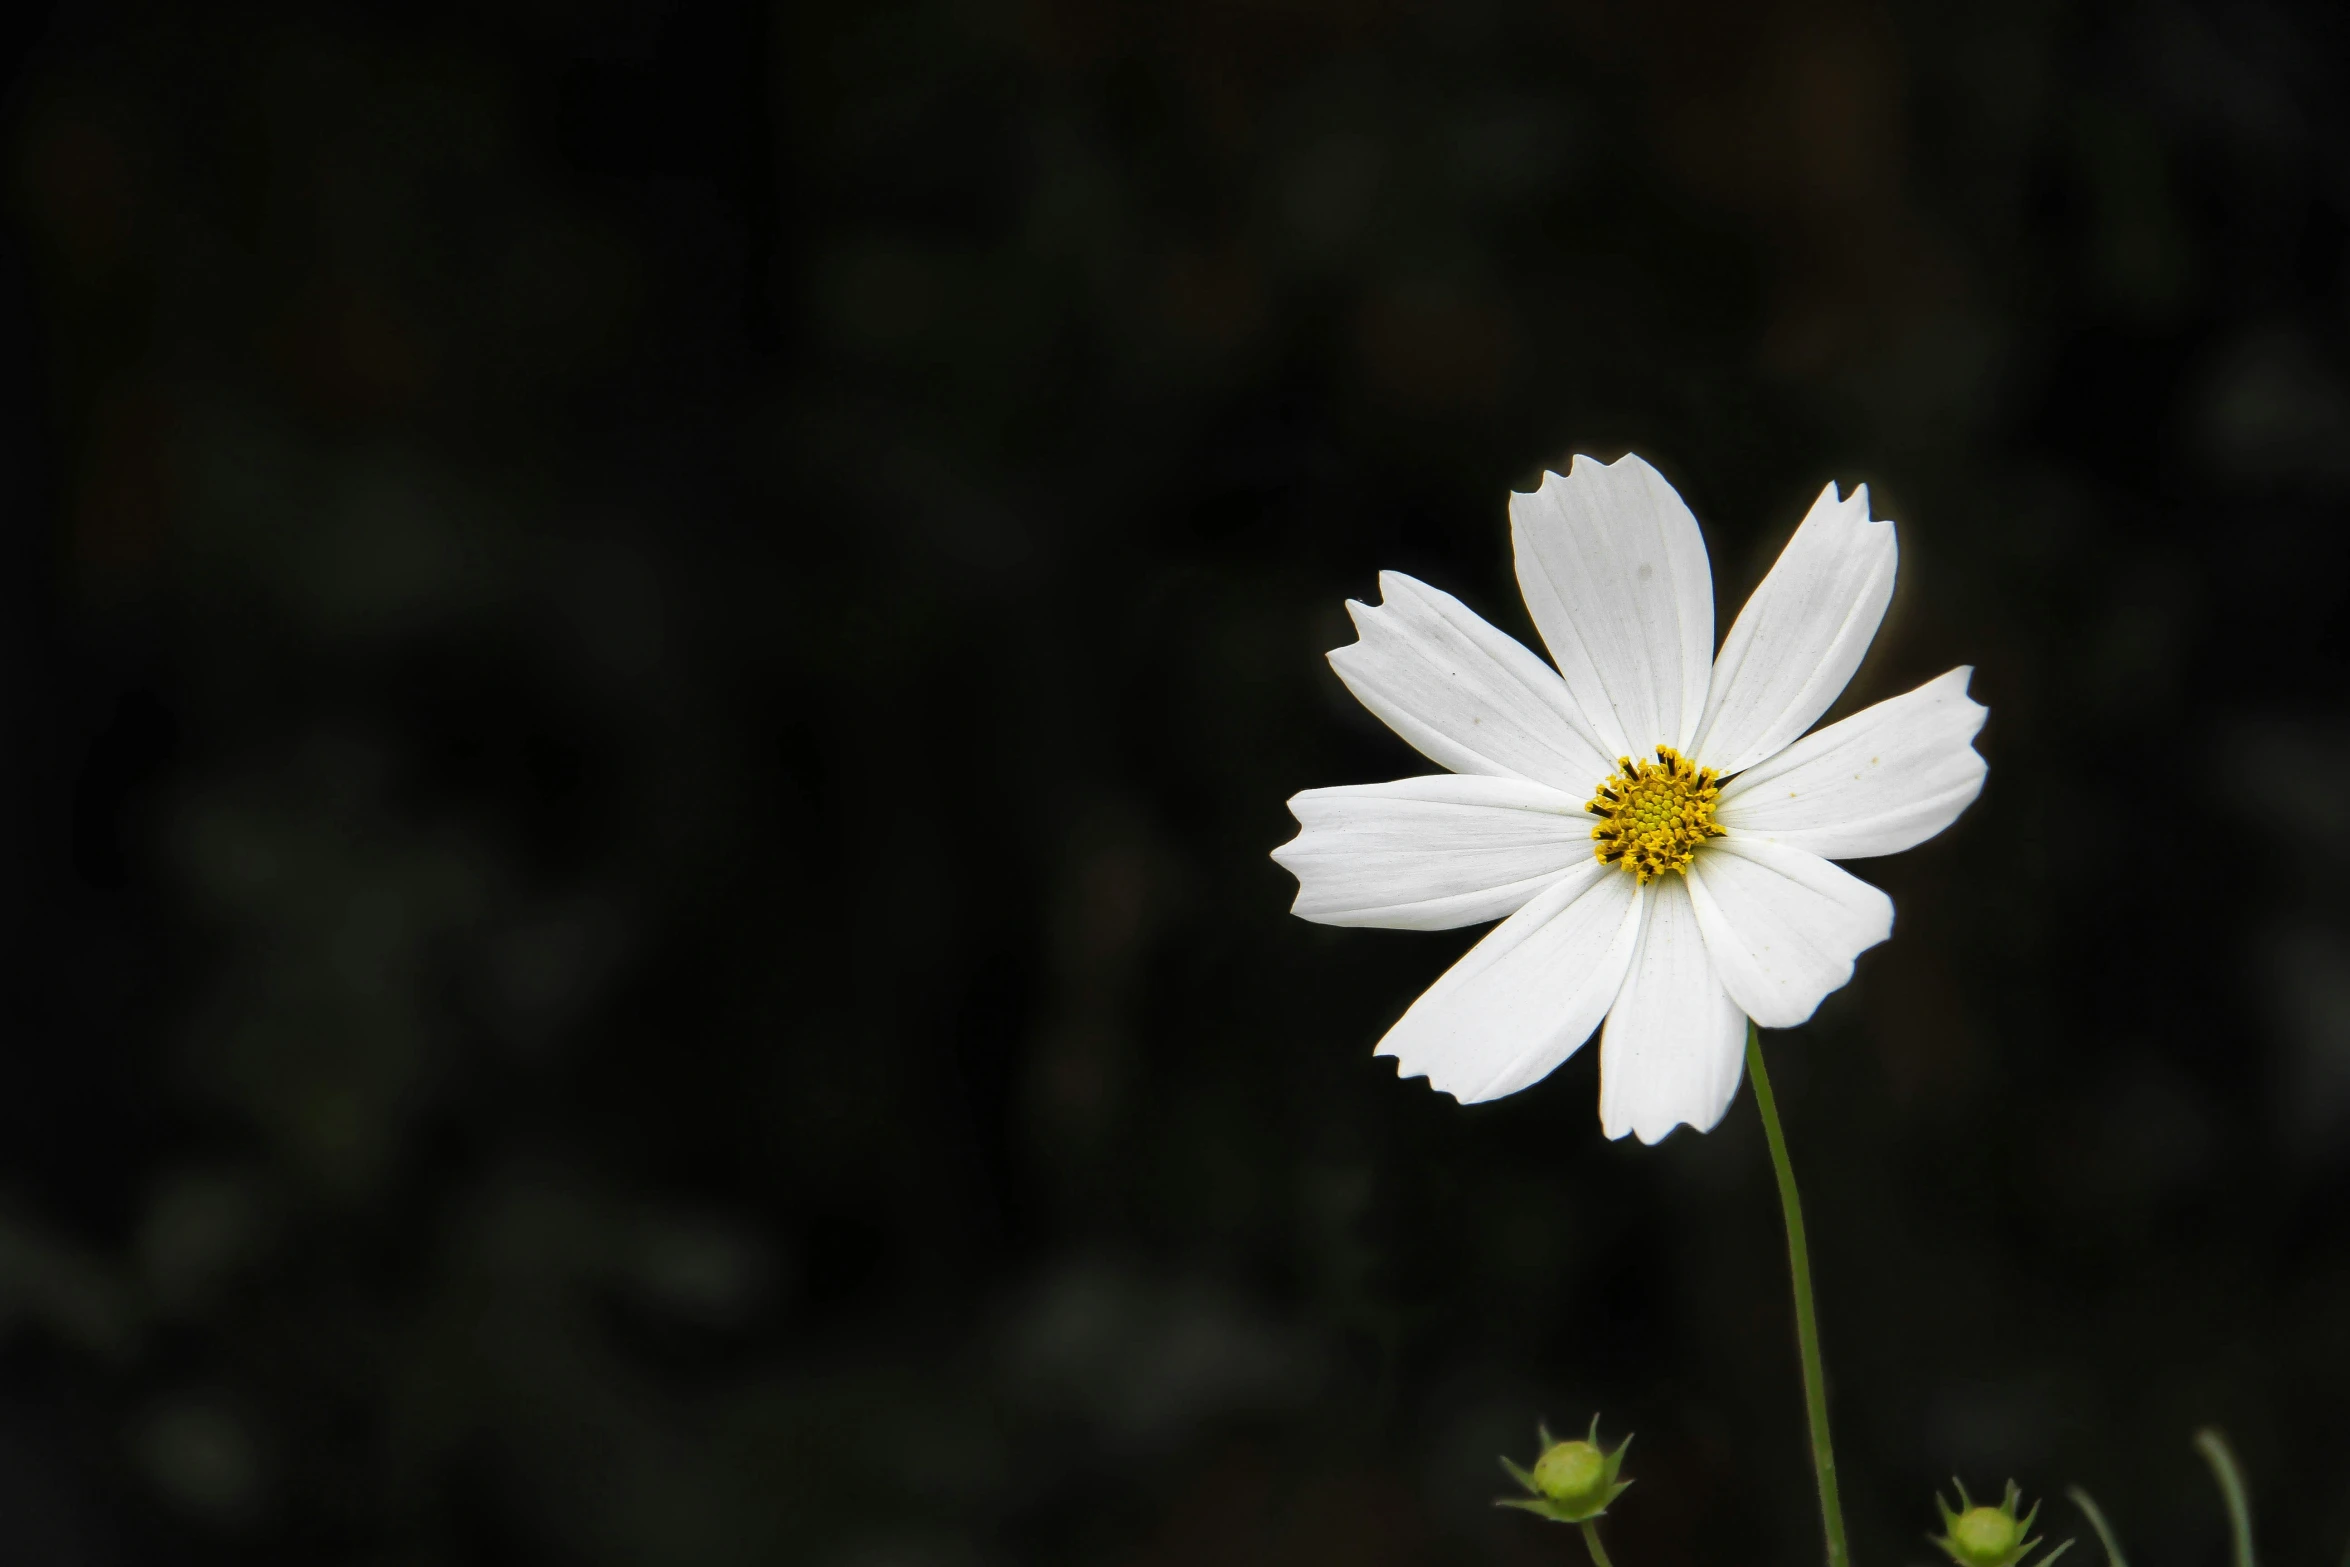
[[649, 654]]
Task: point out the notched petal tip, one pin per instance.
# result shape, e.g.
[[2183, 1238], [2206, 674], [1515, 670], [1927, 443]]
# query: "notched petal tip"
[[1852, 512], [1856, 499], [1963, 677], [1395, 588], [1649, 1135], [1582, 463], [1582, 467], [1405, 1071], [1281, 855], [1855, 506]]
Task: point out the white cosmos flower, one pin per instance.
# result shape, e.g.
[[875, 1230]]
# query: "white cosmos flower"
[[1699, 894]]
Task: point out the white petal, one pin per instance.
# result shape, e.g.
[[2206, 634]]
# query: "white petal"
[[1464, 695], [1430, 853], [1886, 778], [1782, 926], [1527, 996], [1615, 576], [1675, 1045], [1798, 640]]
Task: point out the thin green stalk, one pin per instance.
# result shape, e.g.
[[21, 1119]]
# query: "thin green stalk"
[[2113, 1549], [1807, 1322], [1591, 1540], [2214, 1449]]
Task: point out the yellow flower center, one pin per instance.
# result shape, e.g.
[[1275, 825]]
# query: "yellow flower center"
[[1653, 815]]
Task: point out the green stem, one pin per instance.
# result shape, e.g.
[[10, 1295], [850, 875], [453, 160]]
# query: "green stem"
[[1598, 1551], [1807, 1322], [2214, 1449], [2113, 1549]]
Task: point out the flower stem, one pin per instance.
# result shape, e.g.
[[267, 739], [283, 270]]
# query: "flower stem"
[[1807, 1322], [1598, 1551], [2113, 1549], [2214, 1449]]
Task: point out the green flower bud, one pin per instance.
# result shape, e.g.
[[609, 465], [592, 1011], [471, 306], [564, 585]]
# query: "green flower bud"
[[1571, 1481], [1982, 1536], [1985, 1537], [1571, 1472]]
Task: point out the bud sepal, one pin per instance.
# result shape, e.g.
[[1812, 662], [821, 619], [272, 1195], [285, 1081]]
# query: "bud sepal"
[[1571, 1482], [1979, 1535]]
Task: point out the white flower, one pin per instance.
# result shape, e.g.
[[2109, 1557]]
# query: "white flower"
[[1645, 815]]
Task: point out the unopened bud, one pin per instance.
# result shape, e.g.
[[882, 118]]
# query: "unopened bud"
[[1983, 1536], [1571, 1481], [1571, 1472]]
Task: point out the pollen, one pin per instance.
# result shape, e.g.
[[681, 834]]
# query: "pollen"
[[1654, 815]]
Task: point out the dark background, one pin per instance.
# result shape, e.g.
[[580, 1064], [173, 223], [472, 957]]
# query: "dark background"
[[648, 654]]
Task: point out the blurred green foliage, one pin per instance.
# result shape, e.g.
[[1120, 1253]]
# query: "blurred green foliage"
[[666, 642]]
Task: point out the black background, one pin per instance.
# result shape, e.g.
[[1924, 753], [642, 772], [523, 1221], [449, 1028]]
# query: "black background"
[[648, 655]]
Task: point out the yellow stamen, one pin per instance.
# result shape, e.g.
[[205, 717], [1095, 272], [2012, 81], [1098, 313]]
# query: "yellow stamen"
[[1654, 815]]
